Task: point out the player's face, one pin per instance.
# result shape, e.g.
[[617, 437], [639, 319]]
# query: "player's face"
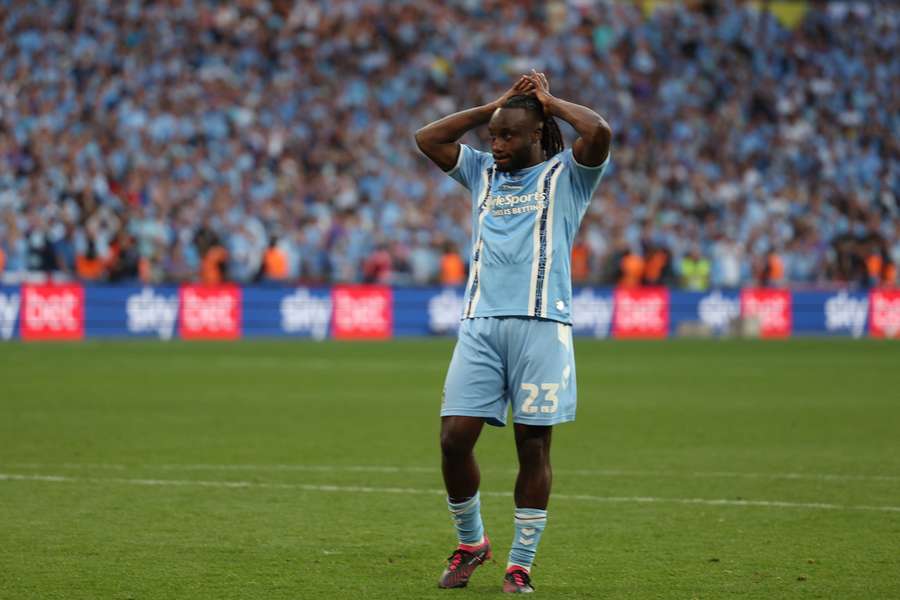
[[515, 139]]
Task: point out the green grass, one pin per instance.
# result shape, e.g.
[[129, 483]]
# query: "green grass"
[[144, 436]]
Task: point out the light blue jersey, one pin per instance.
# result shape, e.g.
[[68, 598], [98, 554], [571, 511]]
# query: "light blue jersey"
[[523, 226]]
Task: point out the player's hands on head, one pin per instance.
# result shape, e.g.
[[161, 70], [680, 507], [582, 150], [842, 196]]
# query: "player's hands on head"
[[539, 86], [522, 86]]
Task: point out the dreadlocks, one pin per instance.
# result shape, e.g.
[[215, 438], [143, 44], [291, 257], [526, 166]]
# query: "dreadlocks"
[[551, 138]]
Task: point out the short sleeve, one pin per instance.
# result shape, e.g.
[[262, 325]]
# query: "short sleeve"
[[584, 179], [469, 166]]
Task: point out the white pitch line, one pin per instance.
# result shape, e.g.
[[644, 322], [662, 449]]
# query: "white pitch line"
[[419, 469], [355, 489], [731, 474]]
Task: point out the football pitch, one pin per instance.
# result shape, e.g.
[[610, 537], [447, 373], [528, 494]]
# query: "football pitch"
[[275, 470]]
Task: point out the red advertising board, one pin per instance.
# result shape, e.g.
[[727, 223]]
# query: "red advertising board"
[[641, 313], [884, 315], [362, 312], [210, 312], [52, 312], [772, 307]]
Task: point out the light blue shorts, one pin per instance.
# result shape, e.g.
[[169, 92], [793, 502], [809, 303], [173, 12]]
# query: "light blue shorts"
[[528, 364]]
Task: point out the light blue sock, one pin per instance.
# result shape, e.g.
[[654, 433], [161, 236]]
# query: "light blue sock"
[[467, 517], [530, 523]]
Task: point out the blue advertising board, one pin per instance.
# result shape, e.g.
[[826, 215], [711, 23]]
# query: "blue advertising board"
[[830, 313], [113, 311], [592, 311], [716, 309], [427, 311], [285, 311], [282, 311]]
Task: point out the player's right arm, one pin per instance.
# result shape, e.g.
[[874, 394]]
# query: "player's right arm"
[[439, 140]]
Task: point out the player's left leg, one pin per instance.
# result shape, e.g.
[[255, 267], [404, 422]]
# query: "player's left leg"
[[531, 495], [543, 394]]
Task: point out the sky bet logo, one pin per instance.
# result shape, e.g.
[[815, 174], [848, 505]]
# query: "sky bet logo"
[[444, 311], [9, 313], [301, 312], [845, 312], [52, 312], [718, 311], [149, 312], [592, 313], [210, 312]]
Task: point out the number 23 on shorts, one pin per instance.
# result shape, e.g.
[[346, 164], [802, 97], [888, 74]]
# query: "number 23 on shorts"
[[548, 404]]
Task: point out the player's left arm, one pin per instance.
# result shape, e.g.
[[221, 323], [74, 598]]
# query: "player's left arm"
[[591, 148]]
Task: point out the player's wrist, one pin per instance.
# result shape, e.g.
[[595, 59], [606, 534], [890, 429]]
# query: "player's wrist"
[[551, 105]]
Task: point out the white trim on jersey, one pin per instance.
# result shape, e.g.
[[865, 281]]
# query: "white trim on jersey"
[[536, 237], [459, 159], [473, 304], [548, 239], [483, 207]]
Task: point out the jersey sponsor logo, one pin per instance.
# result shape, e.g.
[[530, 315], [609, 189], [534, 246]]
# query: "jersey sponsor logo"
[[772, 308], [844, 312], [641, 313], [885, 313], [9, 314], [52, 312], [592, 313], [718, 311], [444, 311], [362, 312], [516, 204], [150, 312], [303, 313], [517, 210], [210, 312], [502, 201]]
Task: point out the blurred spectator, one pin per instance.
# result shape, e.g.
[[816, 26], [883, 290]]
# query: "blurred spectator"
[[772, 273], [695, 271], [630, 267], [89, 265], [41, 257], [453, 269], [378, 267], [275, 262], [214, 264], [180, 264], [123, 258], [64, 249], [581, 260], [889, 275], [658, 268], [13, 248]]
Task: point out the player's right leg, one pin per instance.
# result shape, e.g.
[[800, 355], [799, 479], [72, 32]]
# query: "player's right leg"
[[474, 393], [462, 478]]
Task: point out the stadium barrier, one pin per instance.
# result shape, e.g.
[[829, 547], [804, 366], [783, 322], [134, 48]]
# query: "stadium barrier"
[[74, 312]]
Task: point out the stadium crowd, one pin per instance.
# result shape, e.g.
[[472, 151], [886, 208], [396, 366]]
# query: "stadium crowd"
[[273, 140]]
